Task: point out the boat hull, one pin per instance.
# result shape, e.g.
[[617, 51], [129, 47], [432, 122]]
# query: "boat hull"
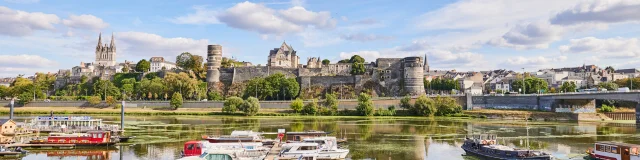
[[489, 157], [81, 144]]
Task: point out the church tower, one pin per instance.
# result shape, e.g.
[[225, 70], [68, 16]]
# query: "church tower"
[[106, 55], [426, 64]]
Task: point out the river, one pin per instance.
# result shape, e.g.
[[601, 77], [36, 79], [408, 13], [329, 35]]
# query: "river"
[[393, 138]]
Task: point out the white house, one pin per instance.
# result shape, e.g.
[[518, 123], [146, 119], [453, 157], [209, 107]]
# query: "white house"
[[158, 63]]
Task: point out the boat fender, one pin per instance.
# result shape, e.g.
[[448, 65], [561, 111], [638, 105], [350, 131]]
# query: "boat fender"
[[492, 142], [484, 142]]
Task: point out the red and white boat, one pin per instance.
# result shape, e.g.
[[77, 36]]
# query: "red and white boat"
[[91, 138], [615, 151]]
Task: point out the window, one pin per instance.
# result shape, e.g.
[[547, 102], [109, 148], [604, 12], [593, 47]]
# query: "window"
[[99, 135], [614, 150], [218, 157]]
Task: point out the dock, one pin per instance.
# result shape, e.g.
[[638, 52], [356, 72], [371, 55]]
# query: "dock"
[[41, 146], [274, 151], [10, 154]]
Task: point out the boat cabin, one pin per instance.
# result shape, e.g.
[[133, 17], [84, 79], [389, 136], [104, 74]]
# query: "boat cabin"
[[195, 148], [237, 136], [616, 150], [299, 136], [91, 137], [216, 154], [8, 127]]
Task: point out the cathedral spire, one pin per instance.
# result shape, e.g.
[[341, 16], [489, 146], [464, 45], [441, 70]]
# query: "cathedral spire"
[[99, 41], [113, 43], [426, 63]]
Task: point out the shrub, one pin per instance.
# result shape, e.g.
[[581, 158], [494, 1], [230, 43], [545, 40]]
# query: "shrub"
[[110, 100], [117, 106], [607, 108], [176, 100], [331, 102], [214, 96], [297, 105], [447, 106], [425, 106], [310, 108], [365, 105], [25, 98], [405, 103], [94, 100], [251, 106], [232, 104], [392, 109]]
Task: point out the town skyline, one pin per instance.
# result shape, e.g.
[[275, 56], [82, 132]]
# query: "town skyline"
[[45, 36]]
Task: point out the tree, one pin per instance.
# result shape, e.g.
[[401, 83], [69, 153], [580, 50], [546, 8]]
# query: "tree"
[[184, 60], [228, 63], [610, 69], [447, 106], [214, 96], [143, 66], [609, 86], [425, 106], [273, 87], [94, 100], [568, 87], [365, 105], [232, 104], [24, 98], [110, 100], [553, 90], [331, 102], [176, 100], [531, 85], [310, 108], [181, 83], [405, 103], [326, 62], [251, 106], [356, 59], [344, 61], [104, 86], [4, 91], [357, 68], [125, 69], [297, 105]]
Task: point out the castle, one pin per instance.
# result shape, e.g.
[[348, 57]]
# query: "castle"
[[385, 76], [106, 55]]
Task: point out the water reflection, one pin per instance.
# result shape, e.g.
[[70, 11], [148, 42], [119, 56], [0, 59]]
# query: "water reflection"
[[369, 138]]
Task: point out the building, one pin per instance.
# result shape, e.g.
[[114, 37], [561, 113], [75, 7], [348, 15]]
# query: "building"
[[106, 55], [314, 62], [159, 64], [629, 72], [8, 127], [285, 57]]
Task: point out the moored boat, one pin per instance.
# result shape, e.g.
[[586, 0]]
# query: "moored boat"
[[315, 150], [615, 151], [486, 147], [237, 136], [196, 148], [91, 138], [228, 154]]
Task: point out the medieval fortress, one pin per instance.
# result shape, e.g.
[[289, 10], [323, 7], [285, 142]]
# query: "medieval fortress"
[[385, 76]]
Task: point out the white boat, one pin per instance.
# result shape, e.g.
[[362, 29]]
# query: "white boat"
[[229, 154], [327, 148], [197, 148]]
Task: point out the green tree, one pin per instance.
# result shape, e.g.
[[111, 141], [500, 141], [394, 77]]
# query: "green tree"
[[232, 104], [176, 100], [610, 69], [24, 98], [94, 100], [184, 61], [405, 103], [553, 90], [568, 87], [102, 87], [344, 61], [83, 79], [609, 86], [532, 85], [357, 68], [331, 102], [297, 105], [365, 105], [326, 62], [181, 83], [143, 66], [447, 106], [310, 108], [251, 106], [273, 87], [356, 59], [125, 69], [4, 91], [425, 106], [214, 96]]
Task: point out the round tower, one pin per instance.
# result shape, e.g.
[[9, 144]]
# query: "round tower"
[[214, 61], [413, 75]]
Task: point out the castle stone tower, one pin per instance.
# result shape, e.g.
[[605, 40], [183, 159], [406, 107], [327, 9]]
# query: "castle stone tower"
[[413, 75], [214, 61], [106, 55]]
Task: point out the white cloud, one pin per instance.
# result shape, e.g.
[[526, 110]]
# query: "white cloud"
[[418, 45], [21, 23], [202, 16], [315, 38], [85, 21], [22, 1], [532, 35], [365, 37], [608, 48], [257, 17], [533, 62], [145, 45], [603, 11], [301, 16], [25, 61]]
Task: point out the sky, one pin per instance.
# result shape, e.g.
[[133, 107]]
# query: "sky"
[[467, 35]]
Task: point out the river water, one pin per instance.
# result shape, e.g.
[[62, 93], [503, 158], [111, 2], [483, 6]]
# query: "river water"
[[393, 138]]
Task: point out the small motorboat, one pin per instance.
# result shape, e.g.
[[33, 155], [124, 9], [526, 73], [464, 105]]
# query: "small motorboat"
[[615, 151], [315, 150]]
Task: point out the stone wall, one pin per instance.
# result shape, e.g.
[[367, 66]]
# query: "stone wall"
[[242, 74], [506, 102], [575, 106], [326, 81]]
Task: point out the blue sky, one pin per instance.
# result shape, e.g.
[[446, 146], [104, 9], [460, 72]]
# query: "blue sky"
[[469, 35]]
